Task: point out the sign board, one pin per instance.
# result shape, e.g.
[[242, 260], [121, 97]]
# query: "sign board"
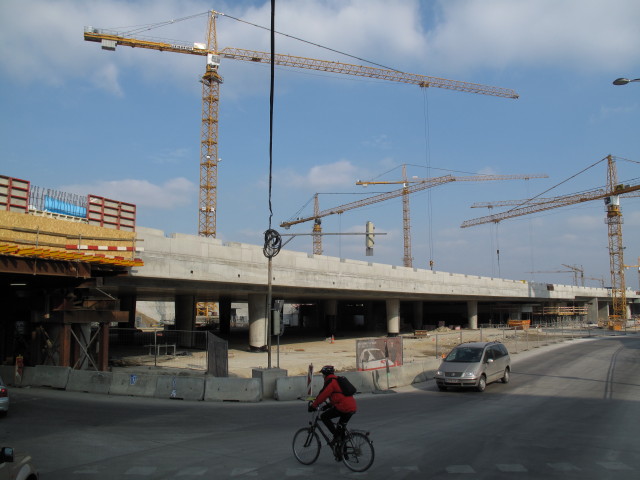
[[375, 353]]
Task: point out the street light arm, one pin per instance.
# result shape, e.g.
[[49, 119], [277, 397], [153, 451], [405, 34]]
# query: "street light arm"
[[624, 81]]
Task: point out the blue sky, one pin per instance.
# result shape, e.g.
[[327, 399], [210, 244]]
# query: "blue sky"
[[126, 124]]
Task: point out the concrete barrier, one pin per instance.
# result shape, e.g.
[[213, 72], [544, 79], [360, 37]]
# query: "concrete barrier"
[[292, 388], [220, 389], [180, 387], [139, 385], [89, 381], [45, 376], [268, 377]]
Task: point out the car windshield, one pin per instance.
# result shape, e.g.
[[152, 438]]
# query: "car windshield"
[[465, 355]]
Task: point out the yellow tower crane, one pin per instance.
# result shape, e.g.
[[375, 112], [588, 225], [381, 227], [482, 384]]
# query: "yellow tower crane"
[[611, 195], [211, 80], [404, 192], [406, 215]]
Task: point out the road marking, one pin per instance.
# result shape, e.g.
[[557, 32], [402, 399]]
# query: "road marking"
[[614, 465], [141, 471], [511, 467], [563, 467], [192, 471], [460, 469]]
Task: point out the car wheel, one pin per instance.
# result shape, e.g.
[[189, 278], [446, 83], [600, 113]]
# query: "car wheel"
[[505, 378], [482, 384]]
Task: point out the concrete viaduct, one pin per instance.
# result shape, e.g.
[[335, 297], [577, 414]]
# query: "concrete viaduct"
[[337, 294]]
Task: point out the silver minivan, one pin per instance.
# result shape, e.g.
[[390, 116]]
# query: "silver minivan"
[[474, 365]]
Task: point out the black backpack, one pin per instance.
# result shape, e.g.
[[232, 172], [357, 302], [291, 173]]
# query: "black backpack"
[[346, 386]]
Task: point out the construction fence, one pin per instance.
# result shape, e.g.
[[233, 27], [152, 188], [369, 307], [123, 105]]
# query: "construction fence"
[[518, 339], [172, 349]]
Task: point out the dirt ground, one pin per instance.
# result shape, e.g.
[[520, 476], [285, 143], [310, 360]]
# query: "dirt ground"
[[295, 354]]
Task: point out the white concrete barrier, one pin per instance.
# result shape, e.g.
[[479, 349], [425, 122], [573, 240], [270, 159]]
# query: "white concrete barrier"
[[268, 377], [220, 389], [45, 376], [139, 385], [89, 381], [180, 387], [292, 388]]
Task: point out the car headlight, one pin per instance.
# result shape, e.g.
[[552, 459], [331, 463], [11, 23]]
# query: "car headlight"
[[439, 373], [468, 375]]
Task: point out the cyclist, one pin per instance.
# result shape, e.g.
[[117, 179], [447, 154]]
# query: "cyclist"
[[340, 405]]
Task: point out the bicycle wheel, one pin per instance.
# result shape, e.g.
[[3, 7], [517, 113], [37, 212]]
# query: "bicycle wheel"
[[306, 446], [357, 452]]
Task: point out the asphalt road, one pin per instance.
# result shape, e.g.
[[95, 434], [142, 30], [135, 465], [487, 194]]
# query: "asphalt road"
[[570, 411]]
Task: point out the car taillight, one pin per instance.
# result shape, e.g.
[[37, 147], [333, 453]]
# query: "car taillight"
[[4, 392]]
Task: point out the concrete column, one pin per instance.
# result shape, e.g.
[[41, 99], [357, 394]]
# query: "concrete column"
[[472, 314], [331, 316], [224, 313], [603, 312], [257, 322], [393, 317], [418, 315], [185, 308], [592, 310]]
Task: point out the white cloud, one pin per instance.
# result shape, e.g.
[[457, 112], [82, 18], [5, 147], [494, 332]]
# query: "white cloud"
[[583, 34], [173, 193], [335, 175]]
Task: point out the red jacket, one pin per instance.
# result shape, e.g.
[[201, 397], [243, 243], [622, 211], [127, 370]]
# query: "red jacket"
[[332, 391]]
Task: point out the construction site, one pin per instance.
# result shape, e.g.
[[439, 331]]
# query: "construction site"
[[72, 268]]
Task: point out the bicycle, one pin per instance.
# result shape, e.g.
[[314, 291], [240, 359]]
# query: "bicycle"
[[353, 447]]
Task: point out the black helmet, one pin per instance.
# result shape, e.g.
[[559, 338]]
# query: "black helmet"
[[327, 370]]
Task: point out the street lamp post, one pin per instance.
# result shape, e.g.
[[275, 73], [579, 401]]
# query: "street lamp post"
[[624, 81]]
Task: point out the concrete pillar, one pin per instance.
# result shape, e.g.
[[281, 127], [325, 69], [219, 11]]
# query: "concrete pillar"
[[331, 316], [257, 322], [472, 314], [393, 317], [185, 308], [224, 313], [418, 315], [592, 310], [603, 312]]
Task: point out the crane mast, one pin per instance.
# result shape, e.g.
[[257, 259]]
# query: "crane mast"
[[211, 80], [611, 195], [407, 259]]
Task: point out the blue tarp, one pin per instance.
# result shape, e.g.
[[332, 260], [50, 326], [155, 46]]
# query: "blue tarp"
[[65, 208]]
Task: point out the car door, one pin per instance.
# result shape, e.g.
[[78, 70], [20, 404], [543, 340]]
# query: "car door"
[[493, 368]]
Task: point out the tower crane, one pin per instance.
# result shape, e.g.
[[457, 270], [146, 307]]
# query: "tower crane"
[[611, 195], [211, 81], [406, 215], [318, 214], [572, 269], [405, 191]]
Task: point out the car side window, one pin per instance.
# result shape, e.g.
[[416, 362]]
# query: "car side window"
[[497, 353]]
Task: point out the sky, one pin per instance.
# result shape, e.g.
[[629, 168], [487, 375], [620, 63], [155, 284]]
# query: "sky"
[[126, 124]]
